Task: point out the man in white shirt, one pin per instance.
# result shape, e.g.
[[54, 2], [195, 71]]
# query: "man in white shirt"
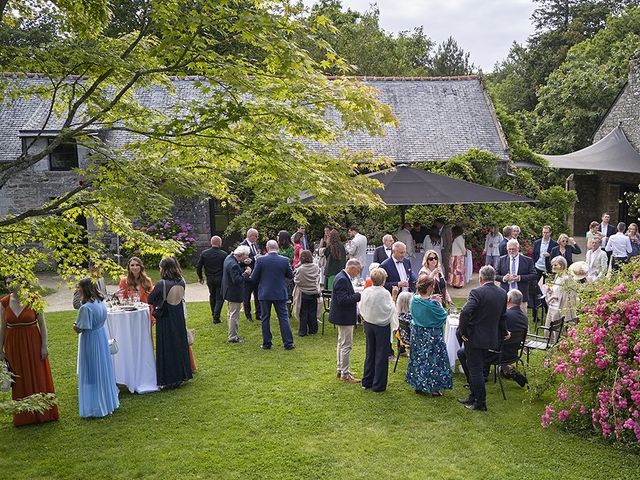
[[357, 246], [620, 246]]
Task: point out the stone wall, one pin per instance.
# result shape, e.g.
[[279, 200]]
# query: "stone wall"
[[626, 109]]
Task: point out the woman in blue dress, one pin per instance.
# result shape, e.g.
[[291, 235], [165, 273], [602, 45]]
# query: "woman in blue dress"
[[429, 371], [97, 390]]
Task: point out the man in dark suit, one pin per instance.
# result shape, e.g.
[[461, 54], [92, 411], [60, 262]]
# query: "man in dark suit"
[[344, 315], [212, 259], [482, 325], [507, 233], [234, 275], [606, 231], [250, 287], [541, 258], [383, 251], [270, 274], [515, 271], [542, 252], [516, 321], [398, 268]]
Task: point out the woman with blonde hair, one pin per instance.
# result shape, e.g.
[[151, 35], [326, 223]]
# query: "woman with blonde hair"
[[561, 295], [566, 248], [431, 267]]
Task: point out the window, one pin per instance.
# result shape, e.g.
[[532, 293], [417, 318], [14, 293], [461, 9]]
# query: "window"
[[64, 157]]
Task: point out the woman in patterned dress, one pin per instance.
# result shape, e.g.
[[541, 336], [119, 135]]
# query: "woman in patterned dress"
[[429, 371]]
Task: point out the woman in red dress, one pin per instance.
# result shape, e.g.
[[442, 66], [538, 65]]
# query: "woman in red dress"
[[23, 336]]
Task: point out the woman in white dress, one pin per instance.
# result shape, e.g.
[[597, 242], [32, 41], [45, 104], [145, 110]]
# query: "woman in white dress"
[[561, 295]]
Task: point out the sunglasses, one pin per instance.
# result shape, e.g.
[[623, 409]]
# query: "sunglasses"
[[432, 258]]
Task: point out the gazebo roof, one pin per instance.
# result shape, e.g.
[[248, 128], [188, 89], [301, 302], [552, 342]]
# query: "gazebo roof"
[[612, 153]]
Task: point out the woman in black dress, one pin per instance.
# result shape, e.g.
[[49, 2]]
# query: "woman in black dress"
[[172, 348]]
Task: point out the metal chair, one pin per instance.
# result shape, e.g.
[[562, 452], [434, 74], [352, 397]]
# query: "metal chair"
[[508, 357], [326, 307], [547, 341], [403, 337]]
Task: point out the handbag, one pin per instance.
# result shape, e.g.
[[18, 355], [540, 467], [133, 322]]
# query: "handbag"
[[113, 346], [191, 335]]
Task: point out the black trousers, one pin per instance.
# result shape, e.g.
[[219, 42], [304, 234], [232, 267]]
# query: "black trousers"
[[617, 262], [488, 360], [249, 289], [215, 297], [308, 315], [376, 361], [475, 366]]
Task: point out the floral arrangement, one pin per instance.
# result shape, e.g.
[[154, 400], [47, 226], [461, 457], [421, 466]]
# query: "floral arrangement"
[[598, 368]]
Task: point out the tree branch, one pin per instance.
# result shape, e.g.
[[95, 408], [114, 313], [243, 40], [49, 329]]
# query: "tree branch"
[[53, 208]]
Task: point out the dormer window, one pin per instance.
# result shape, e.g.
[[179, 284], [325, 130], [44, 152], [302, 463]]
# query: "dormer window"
[[64, 157]]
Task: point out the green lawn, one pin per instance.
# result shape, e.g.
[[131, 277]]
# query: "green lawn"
[[259, 414]]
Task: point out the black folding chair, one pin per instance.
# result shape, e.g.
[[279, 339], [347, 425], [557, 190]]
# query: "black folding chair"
[[508, 356], [547, 341], [403, 337], [326, 307]]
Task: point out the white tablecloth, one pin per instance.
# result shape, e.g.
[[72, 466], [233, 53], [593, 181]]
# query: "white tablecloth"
[[451, 340], [134, 364]]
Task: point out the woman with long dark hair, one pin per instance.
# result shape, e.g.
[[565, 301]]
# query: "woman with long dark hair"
[[97, 390], [336, 256], [284, 245], [173, 365]]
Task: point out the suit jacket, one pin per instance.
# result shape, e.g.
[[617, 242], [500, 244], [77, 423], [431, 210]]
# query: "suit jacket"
[[344, 301], [380, 254], [569, 250], [611, 230], [252, 256], [526, 270], [233, 279], [392, 274], [536, 253], [270, 274], [516, 321], [502, 248], [212, 259], [482, 319]]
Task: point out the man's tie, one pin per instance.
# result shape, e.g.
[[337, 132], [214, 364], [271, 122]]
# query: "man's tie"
[[253, 249], [513, 285]]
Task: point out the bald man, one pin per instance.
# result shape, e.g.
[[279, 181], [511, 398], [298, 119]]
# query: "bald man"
[[212, 259]]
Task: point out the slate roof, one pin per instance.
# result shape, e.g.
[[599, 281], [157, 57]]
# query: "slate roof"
[[438, 118]]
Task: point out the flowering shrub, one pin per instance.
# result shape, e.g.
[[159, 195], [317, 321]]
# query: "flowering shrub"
[[598, 367], [170, 229]]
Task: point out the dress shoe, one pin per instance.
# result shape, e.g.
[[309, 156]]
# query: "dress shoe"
[[477, 407], [289, 347], [437, 394], [249, 318], [350, 378], [236, 340], [466, 401], [216, 320], [265, 347], [339, 375], [520, 379], [366, 388]]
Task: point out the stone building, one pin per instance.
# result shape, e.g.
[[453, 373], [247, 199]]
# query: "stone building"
[[606, 173], [438, 119]]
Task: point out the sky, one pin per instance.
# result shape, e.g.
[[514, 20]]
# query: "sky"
[[484, 28]]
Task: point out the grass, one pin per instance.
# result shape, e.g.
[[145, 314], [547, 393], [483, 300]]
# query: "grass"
[[253, 414]]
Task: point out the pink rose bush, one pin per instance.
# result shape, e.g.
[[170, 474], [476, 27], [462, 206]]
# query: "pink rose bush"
[[598, 368]]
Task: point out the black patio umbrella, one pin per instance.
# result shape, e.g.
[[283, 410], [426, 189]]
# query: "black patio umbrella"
[[405, 185]]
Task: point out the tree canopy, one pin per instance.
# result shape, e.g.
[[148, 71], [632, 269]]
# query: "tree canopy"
[[256, 95]]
